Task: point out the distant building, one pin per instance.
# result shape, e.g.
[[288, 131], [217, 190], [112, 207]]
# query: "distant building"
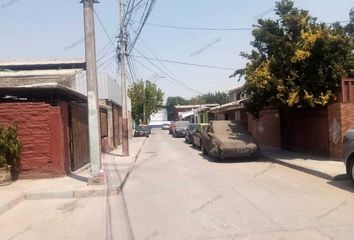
[[190, 112], [158, 118]]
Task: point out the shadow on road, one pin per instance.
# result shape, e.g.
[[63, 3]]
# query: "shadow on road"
[[233, 160], [346, 185]]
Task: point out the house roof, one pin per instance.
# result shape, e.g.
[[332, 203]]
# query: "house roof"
[[50, 72], [228, 106], [237, 89], [195, 106], [30, 72], [22, 65], [44, 90]]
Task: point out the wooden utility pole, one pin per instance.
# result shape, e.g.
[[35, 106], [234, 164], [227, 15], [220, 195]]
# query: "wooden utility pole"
[[122, 57], [92, 94]]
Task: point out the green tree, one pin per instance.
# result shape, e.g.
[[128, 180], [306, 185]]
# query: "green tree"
[[217, 97], [170, 106], [296, 61], [146, 98]]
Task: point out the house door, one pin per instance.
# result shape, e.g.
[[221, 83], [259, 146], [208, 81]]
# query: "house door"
[[305, 130], [80, 154], [116, 126]]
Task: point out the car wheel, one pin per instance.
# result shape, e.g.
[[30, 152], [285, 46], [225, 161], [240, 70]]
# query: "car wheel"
[[204, 151], [351, 170]]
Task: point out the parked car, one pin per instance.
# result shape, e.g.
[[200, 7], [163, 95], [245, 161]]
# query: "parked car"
[[227, 139], [165, 126], [142, 131], [180, 128], [188, 136], [197, 134], [172, 125], [348, 150]]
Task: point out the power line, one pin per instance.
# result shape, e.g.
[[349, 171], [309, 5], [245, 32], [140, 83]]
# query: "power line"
[[190, 35], [144, 18], [173, 78], [110, 41], [104, 29], [155, 73], [199, 28], [185, 63], [130, 11], [107, 61], [161, 63], [103, 50], [131, 70], [217, 29]]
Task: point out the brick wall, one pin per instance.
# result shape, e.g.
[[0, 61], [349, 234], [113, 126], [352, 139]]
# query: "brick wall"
[[266, 130], [340, 119], [44, 133]]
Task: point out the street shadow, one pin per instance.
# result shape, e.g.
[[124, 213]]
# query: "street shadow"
[[78, 177], [305, 170], [232, 160], [346, 185], [114, 154], [290, 155]]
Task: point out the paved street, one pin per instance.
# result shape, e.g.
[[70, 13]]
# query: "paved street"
[[174, 192]]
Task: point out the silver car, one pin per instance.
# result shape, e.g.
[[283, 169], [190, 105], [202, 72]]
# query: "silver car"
[[348, 150]]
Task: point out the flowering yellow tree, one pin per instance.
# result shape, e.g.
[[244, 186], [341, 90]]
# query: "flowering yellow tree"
[[297, 62]]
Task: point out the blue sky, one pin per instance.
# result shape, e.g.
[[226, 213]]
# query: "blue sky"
[[39, 29]]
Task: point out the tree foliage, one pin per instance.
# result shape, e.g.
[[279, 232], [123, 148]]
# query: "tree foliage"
[[146, 98], [171, 103], [10, 145], [217, 97], [208, 98], [296, 61]]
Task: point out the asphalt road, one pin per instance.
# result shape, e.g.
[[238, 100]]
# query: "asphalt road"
[[175, 192]]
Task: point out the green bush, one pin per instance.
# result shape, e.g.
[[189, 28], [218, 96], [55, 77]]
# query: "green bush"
[[10, 145]]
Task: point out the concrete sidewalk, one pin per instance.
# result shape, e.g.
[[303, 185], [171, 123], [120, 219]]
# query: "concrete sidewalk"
[[322, 167], [116, 167]]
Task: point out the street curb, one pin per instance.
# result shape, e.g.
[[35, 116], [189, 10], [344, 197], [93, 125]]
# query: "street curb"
[[81, 193], [308, 170], [131, 167], [68, 194], [46, 195], [12, 203]]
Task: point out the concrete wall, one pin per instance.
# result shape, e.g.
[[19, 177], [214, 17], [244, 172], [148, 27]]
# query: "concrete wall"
[[44, 134], [266, 130], [340, 119]]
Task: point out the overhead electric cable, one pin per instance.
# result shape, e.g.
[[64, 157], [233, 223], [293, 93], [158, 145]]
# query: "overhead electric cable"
[[185, 63], [216, 29], [167, 74], [104, 29], [143, 21]]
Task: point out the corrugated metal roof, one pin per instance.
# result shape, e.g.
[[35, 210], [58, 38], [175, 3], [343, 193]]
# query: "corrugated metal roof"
[[27, 62], [39, 72], [195, 106], [45, 87]]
